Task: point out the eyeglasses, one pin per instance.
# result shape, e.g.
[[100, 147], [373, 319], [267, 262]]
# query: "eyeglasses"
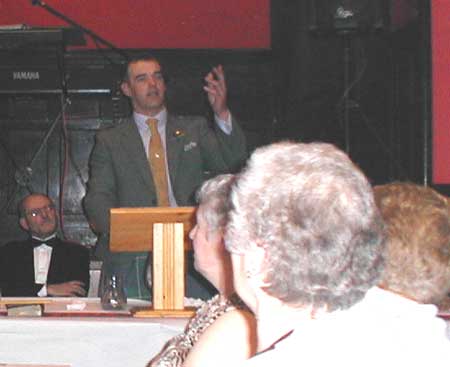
[[40, 211]]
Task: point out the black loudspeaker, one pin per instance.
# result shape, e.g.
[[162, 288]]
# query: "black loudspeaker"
[[341, 16], [30, 71]]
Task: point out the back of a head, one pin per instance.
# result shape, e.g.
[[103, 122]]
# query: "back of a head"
[[418, 242], [213, 196], [313, 211]]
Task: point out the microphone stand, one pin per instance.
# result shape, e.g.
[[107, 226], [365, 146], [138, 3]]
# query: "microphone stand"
[[77, 25], [23, 176]]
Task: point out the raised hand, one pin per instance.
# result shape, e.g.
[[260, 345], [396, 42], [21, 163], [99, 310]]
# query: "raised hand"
[[216, 90]]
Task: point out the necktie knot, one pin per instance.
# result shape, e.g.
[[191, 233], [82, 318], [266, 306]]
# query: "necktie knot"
[[153, 125]]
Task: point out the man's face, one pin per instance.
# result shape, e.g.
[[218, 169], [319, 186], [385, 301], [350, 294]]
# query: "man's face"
[[145, 86], [40, 216]]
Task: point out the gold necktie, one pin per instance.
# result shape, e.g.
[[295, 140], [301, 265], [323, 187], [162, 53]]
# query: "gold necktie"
[[157, 161]]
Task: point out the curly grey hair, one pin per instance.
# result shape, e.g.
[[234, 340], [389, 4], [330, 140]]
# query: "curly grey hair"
[[314, 213], [213, 196]]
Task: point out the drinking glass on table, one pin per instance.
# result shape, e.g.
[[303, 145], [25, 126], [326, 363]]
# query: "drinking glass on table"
[[113, 293]]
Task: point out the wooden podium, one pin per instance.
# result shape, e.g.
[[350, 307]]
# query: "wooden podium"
[[164, 231]]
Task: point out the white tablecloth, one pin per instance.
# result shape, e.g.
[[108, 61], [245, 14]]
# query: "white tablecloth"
[[84, 341]]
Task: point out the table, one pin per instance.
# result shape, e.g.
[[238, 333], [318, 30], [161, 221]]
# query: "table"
[[81, 341]]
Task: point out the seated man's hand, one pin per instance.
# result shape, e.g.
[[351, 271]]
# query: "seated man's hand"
[[73, 288]]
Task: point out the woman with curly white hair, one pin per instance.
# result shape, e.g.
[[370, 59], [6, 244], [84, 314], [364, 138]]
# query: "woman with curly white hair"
[[307, 245]]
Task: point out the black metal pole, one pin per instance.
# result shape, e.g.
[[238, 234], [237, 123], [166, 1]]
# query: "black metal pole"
[[346, 101], [425, 41], [77, 25]]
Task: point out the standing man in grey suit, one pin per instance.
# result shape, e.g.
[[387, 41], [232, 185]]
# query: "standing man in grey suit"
[[120, 173]]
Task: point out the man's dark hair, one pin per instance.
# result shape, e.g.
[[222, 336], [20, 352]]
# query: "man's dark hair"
[[141, 57]]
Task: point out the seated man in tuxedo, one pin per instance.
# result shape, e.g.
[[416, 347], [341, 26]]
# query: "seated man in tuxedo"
[[43, 265]]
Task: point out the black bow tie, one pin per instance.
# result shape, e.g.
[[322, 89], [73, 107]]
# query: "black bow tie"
[[50, 242]]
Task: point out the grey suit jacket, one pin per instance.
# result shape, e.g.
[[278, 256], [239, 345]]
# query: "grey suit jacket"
[[120, 174]]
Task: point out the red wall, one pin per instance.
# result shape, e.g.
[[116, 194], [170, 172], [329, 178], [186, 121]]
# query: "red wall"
[[156, 23], [441, 90]]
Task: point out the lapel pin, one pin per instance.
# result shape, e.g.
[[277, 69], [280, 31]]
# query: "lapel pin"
[[178, 133]]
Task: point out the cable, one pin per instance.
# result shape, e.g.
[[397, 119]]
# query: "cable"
[[64, 165]]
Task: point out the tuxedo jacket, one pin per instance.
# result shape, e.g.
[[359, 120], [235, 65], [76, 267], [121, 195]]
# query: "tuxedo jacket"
[[120, 175], [69, 261]]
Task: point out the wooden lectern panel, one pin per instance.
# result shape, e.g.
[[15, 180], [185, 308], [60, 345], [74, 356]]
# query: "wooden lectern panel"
[[132, 230], [168, 266], [164, 231]]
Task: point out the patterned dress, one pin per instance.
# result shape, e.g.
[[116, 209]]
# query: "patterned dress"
[[176, 349]]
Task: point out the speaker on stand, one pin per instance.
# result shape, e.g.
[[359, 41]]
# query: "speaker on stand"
[[348, 20]]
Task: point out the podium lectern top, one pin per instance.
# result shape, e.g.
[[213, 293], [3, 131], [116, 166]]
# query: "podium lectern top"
[[132, 228]]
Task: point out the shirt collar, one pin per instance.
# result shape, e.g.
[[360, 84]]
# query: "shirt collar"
[[140, 119], [50, 241], [44, 239]]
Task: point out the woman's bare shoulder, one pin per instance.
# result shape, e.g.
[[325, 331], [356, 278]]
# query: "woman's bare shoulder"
[[231, 338]]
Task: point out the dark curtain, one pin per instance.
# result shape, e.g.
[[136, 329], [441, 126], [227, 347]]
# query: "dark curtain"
[[356, 86]]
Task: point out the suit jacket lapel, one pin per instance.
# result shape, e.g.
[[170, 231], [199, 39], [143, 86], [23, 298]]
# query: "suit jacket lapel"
[[174, 145], [132, 144]]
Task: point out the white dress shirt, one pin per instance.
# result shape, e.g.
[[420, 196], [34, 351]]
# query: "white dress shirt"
[[42, 256]]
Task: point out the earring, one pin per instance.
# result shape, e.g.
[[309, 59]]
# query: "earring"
[[251, 272]]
